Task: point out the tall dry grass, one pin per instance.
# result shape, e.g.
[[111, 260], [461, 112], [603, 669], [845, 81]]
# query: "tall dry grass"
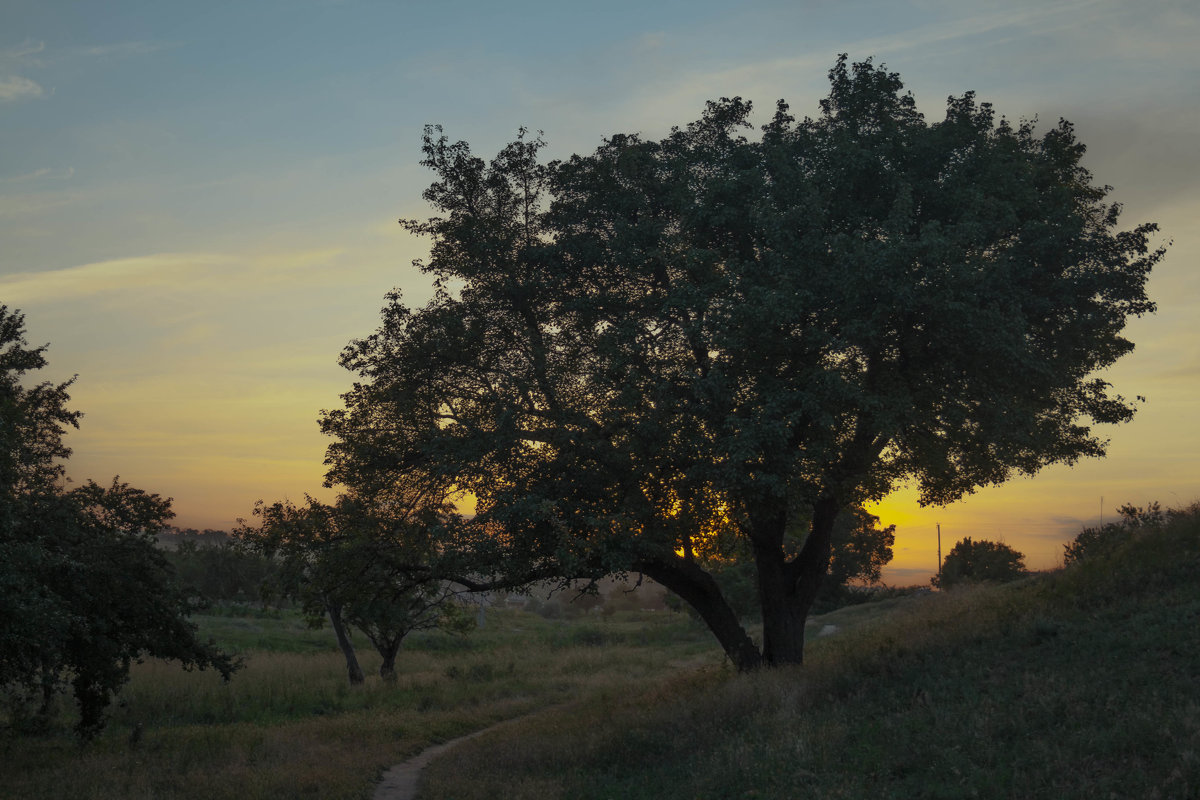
[[289, 725]]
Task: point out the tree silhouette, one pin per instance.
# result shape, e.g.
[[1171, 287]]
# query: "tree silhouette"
[[84, 590], [366, 565], [640, 355], [975, 562]]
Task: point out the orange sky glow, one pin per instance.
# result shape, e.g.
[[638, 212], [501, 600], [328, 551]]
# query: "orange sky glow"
[[198, 237]]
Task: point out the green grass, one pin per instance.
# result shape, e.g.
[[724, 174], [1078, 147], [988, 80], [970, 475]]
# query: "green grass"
[[285, 632], [1083, 683], [1078, 684], [289, 725]]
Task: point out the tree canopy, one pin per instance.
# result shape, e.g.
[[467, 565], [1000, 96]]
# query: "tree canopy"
[[84, 591], [649, 353], [979, 561], [1131, 519], [361, 564]]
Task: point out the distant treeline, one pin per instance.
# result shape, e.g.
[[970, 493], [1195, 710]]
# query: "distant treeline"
[[213, 566], [171, 537]]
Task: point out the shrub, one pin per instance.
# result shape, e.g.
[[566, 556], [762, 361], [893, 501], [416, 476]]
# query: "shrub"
[[973, 562], [1092, 542]]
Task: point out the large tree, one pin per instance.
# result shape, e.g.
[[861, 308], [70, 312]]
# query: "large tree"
[[84, 590], [635, 353]]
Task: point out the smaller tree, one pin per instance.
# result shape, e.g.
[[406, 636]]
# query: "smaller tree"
[[303, 545], [975, 562], [360, 564], [84, 591]]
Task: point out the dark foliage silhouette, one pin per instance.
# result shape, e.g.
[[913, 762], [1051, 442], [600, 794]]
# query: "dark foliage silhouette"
[[670, 349]]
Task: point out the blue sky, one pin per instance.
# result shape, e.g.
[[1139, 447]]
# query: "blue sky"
[[198, 200]]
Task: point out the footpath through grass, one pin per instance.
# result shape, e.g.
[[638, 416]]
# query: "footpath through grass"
[[290, 726], [1079, 684]]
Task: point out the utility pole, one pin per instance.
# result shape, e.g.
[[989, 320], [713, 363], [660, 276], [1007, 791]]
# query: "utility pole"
[[939, 572]]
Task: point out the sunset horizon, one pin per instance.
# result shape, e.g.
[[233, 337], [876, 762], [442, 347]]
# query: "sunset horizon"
[[199, 212]]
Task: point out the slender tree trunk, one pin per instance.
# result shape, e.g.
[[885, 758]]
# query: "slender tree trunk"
[[700, 591], [339, 629], [387, 669], [49, 682]]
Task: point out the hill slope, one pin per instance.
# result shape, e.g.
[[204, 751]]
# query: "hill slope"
[[1084, 683]]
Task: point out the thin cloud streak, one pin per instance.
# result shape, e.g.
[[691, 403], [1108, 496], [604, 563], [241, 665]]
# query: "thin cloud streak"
[[126, 49], [22, 51], [44, 173], [104, 276], [1030, 19], [680, 93], [14, 87], [168, 270], [32, 203]]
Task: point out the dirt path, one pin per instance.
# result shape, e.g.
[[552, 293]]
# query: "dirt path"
[[400, 781]]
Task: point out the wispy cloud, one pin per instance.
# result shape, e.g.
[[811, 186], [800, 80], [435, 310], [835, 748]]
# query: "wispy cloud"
[[126, 49], [171, 270], [14, 87], [88, 279], [22, 51], [16, 59], [31, 54], [27, 203], [44, 173], [1013, 17], [670, 95]]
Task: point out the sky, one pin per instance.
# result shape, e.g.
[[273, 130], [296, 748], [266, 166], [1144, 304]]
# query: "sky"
[[199, 201]]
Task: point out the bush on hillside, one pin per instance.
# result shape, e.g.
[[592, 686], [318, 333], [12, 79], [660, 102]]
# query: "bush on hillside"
[[1104, 539]]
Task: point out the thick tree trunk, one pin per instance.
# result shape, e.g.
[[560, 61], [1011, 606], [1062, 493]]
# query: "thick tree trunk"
[[783, 611], [787, 589], [698, 589], [353, 670]]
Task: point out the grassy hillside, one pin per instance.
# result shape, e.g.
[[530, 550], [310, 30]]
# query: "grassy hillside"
[[1083, 683], [1078, 684]]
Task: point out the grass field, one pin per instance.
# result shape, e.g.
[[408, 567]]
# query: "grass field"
[[289, 725], [1079, 684]]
